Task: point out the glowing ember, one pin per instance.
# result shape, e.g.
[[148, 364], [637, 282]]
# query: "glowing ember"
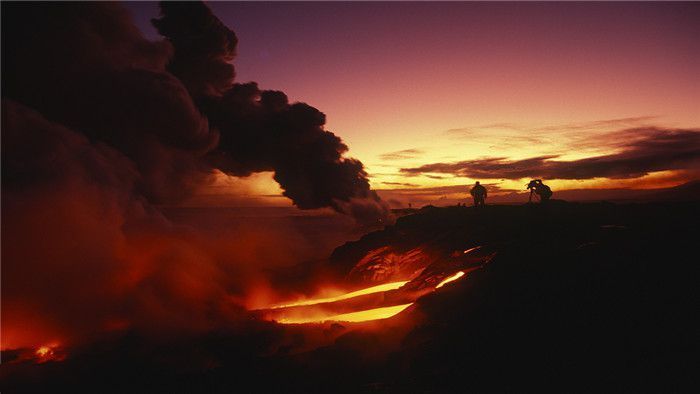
[[450, 279], [360, 316], [369, 290], [471, 249], [50, 352], [44, 352]]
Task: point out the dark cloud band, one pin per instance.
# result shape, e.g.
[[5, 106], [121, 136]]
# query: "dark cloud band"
[[648, 150]]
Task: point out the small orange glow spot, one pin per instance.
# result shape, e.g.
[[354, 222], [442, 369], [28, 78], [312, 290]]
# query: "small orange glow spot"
[[471, 249], [450, 279], [44, 352], [369, 290], [353, 317], [49, 352]]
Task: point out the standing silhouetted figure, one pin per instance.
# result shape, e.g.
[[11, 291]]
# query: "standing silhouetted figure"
[[540, 189], [479, 194]]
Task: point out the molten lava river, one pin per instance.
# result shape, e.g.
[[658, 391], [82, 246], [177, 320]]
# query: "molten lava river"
[[378, 301], [319, 310]]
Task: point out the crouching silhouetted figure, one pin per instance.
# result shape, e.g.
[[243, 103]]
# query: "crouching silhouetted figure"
[[540, 189], [478, 192]]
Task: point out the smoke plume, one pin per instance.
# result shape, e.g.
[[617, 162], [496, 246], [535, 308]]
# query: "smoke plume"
[[99, 127], [261, 130]]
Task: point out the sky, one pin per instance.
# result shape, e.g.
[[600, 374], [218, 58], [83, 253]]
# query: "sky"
[[426, 93]]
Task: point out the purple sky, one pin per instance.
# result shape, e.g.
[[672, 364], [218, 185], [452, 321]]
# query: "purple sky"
[[397, 76]]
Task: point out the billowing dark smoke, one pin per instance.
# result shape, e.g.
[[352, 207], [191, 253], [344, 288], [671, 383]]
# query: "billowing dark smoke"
[[98, 126], [87, 67], [261, 130], [204, 47]]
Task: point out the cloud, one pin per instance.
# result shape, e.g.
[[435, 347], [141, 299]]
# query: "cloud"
[[464, 131], [400, 184], [402, 154], [260, 130], [105, 81], [554, 139], [204, 47], [100, 129], [644, 150], [83, 253], [172, 107], [635, 121], [628, 122]]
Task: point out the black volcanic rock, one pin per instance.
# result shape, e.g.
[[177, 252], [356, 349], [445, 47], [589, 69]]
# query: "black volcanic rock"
[[440, 232], [578, 298]]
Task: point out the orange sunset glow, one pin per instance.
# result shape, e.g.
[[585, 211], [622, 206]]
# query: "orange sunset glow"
[[514, 82]]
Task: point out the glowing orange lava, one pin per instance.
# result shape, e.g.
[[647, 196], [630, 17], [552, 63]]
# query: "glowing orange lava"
[[471, 249], [369, 290], [450, 279], [359, 316], [49, 352], [307, 315], [44, 351]]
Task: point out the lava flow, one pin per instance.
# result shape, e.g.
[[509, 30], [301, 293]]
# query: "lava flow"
[[320, 310], [339, 308], [352, 317], [357, 293], [380, 301], [450, 279]]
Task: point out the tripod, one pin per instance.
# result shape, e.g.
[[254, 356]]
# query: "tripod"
[[533, 192]]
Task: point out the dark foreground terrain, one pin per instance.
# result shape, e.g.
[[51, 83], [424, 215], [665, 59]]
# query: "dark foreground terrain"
[[579, 298]]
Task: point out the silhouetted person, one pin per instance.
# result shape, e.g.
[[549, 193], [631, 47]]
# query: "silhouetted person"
[[544, 191], [537, 187], [479, 194]]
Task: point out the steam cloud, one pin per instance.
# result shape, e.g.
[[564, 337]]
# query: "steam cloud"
[[98, 124]]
